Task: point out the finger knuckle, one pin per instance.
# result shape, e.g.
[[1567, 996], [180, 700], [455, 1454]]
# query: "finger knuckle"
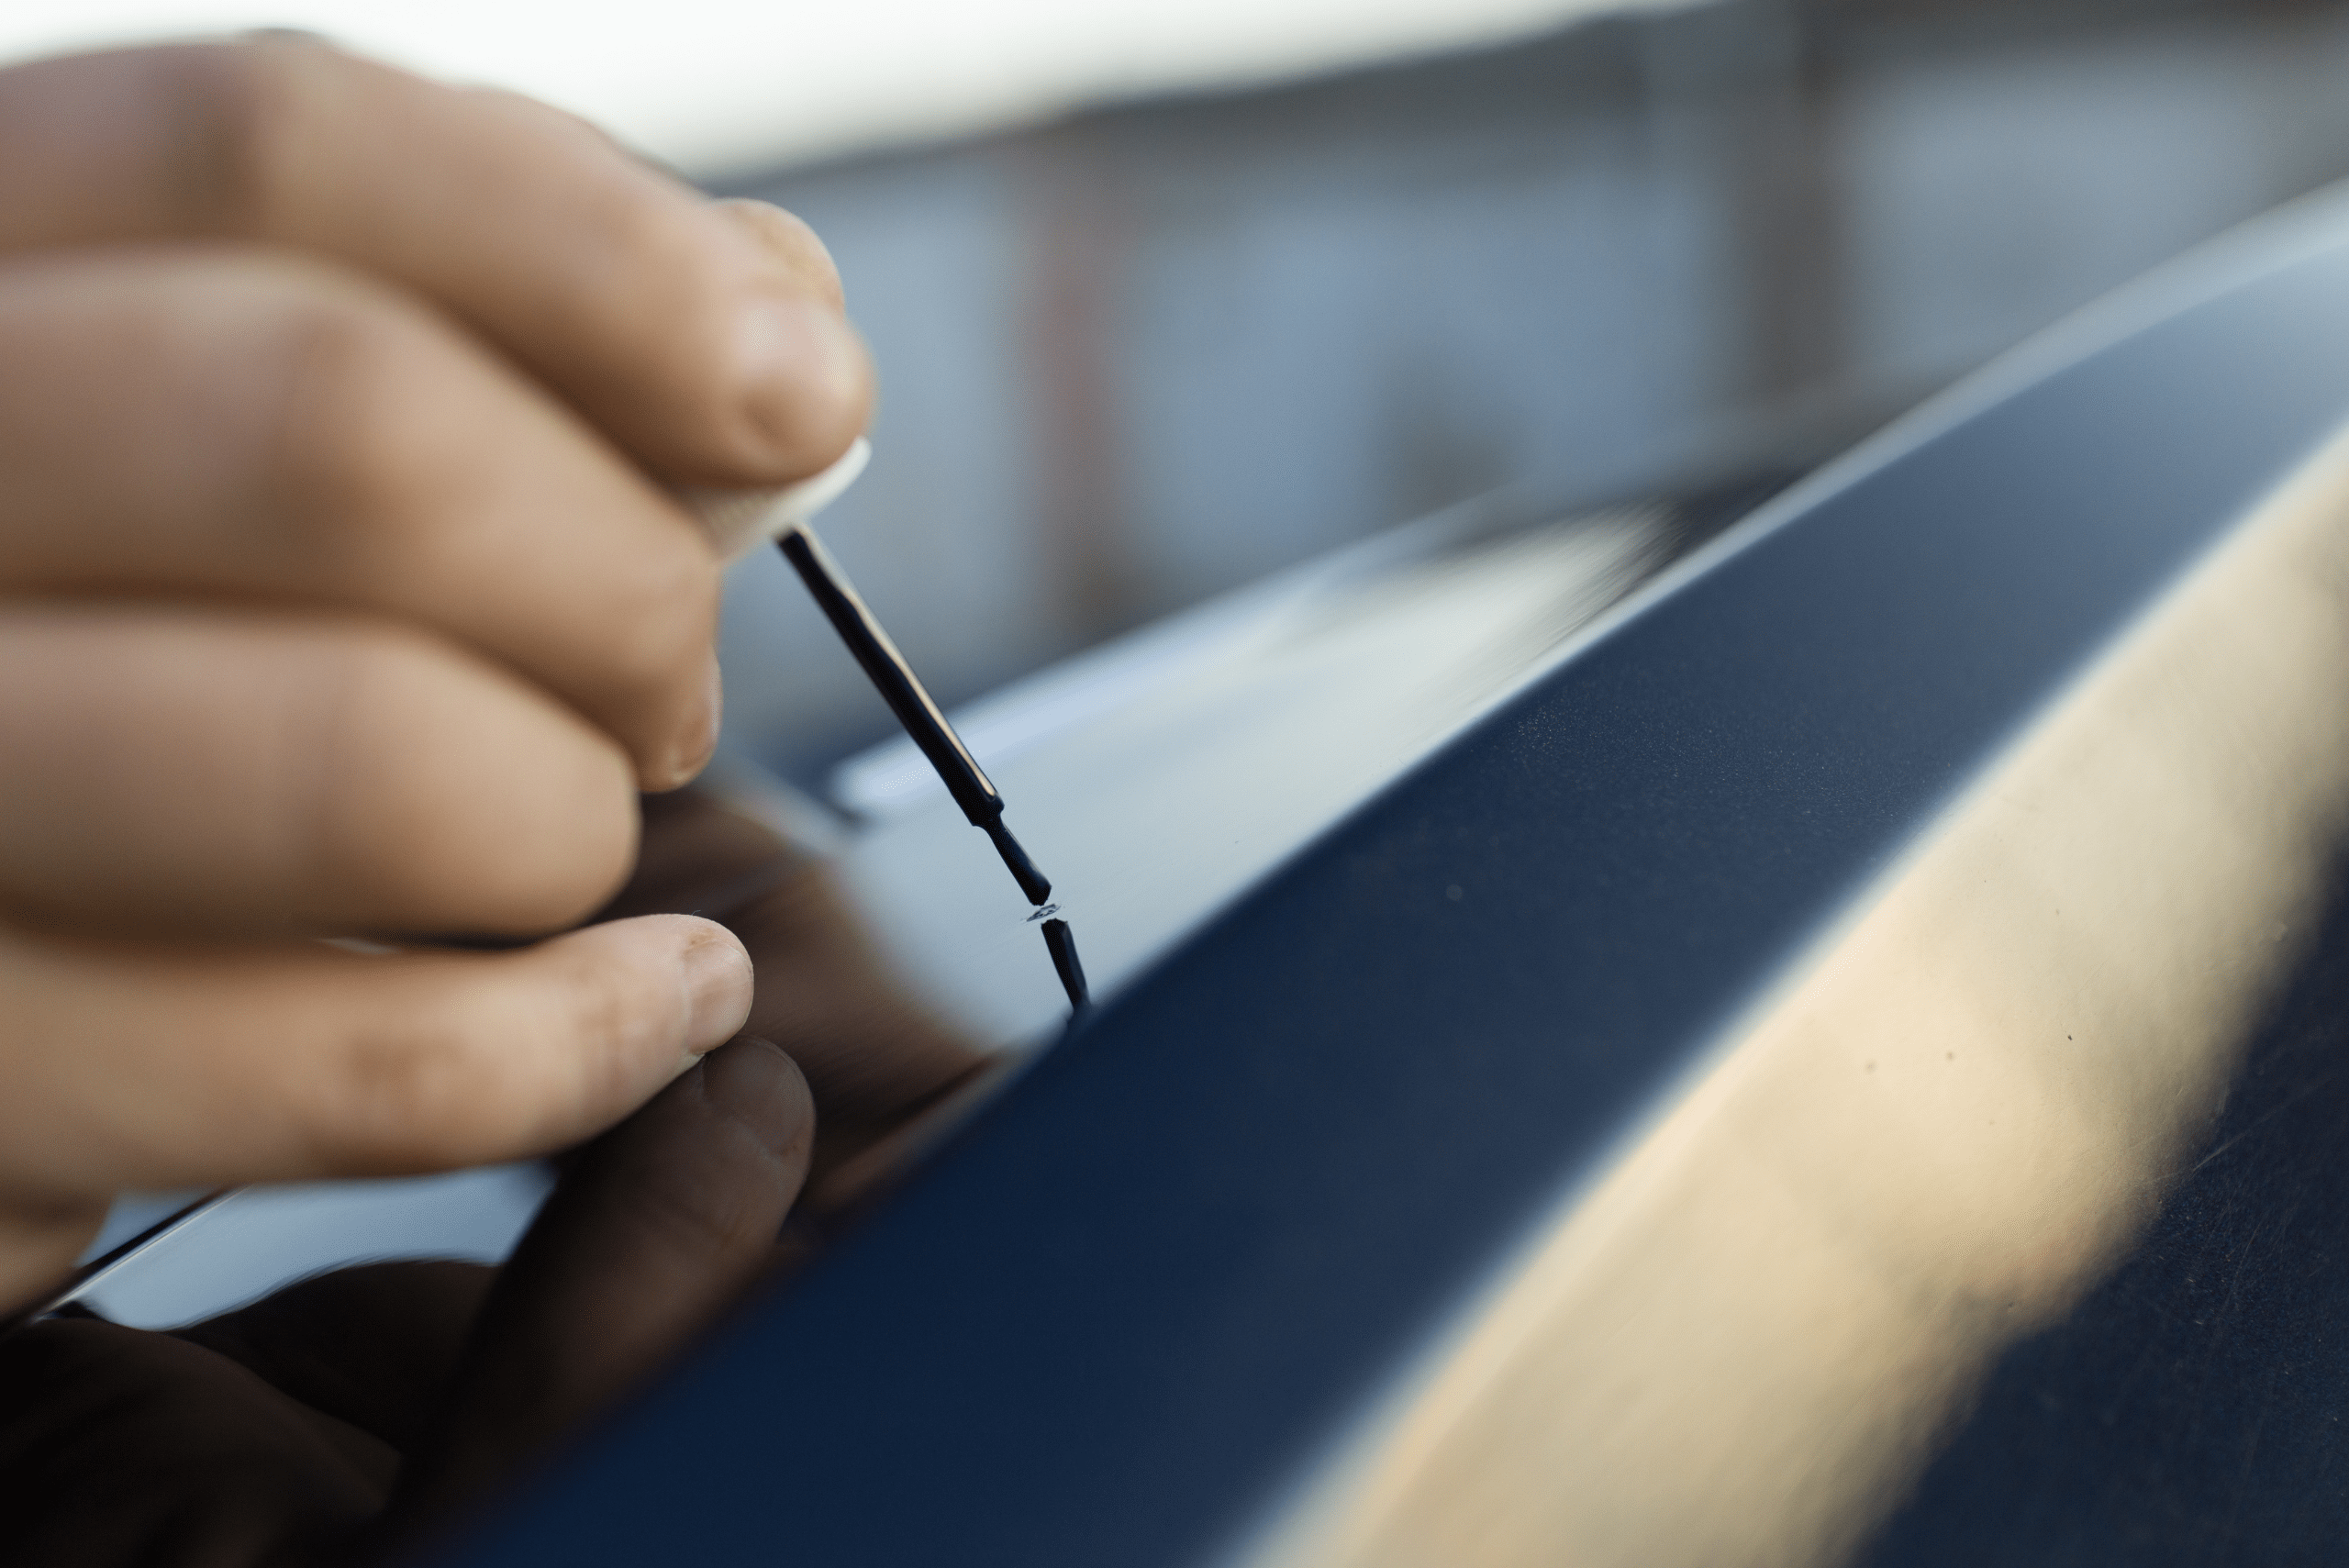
[[494, 1070], [666, 614], [611, 1021], [667, 257], [363, 435], [417, 1094], [449, 796], [650, 231], [246, 112]]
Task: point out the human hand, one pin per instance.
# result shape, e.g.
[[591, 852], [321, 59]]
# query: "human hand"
[[340, 594]]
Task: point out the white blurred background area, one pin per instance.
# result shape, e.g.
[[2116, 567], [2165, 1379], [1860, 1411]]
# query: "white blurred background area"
[[1166, 296], [718, 87]]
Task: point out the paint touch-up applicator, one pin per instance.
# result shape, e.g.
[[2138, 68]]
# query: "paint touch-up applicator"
[[743, 520]]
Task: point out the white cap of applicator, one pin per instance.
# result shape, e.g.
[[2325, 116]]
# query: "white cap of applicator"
[[743, 520]]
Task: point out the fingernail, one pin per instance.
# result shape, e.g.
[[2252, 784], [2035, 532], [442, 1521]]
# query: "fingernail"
[[803, 369], [696, 741], [690, 752], [717, 981]]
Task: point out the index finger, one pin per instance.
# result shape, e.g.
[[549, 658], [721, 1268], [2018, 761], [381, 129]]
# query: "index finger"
[[673, 328]]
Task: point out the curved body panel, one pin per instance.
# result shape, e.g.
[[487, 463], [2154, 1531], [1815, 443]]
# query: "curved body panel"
[[1635, 1134]]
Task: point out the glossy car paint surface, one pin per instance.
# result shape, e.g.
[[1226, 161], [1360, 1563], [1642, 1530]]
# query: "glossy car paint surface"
[[1138, 1306]]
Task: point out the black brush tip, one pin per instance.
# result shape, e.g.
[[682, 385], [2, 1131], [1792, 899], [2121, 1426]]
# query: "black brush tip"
[[1062, 946], [1032, 883]]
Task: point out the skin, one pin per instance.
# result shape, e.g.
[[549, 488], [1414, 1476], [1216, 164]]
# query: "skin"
[[344, 592]]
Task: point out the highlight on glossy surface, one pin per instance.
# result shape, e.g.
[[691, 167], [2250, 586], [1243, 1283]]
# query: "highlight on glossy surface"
[[94, 1269], [1744, 1343]]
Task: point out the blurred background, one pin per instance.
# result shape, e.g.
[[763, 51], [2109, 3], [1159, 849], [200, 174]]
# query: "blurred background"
[[1165, 297]]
